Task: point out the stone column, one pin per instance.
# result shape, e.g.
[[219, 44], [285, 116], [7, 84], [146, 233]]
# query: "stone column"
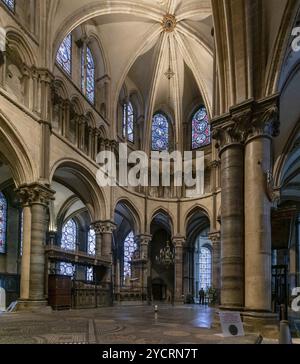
[[258, 167], [97, 226], [178, 242], [66, 118], [143, 242], [91, 144], [38, 197], [107, 228], [215, 238], [25, 264], [229, 131]]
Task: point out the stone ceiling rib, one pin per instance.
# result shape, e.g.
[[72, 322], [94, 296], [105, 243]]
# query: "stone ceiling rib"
[[191, 61], [158, 72]]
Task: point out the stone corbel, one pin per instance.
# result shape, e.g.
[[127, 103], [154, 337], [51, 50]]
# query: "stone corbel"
[[273, 192]]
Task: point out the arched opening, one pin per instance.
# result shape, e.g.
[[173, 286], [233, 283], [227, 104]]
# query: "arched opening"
[[72, 242], [10, 235], [162, 256], [128, 284], [198, 262]]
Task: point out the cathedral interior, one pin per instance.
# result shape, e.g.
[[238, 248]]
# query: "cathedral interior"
[[86, 263]]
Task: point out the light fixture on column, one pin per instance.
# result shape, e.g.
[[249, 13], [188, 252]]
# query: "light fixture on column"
[[166, 256]]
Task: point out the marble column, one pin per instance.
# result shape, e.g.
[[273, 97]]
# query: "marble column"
[[229, 131], [258, 202], [215, 238], [178, 242], [37, 197]]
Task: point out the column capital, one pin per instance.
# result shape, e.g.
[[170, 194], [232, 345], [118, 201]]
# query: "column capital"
[[215, 236], [215, 164], [178, 241], [265, 120], [104, 227], [144, 239], [249, 119], [45, 75], [35, 194]]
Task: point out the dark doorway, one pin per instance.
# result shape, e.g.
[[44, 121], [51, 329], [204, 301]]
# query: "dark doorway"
[[159, 290]]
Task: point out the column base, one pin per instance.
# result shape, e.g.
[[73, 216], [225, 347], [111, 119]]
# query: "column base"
[[179, 301], [33, 305], [264, 323]]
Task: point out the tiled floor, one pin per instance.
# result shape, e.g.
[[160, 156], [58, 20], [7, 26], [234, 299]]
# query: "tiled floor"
[[116, 325]]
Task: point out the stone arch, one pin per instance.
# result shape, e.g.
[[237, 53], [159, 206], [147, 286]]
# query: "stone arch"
[[196, 220], [196, 209], [77, 105], [60, 88], [17, 43], [161, 210], [69, 172], [133, 211], [13, 150]]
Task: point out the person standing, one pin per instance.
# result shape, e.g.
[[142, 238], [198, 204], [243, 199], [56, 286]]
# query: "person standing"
[[201, 297]]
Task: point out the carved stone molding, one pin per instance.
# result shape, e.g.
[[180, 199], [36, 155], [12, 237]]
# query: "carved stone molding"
[[35, 194]]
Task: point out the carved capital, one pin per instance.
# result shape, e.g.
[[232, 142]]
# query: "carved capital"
[[143, 239], [178, 241], [215, 237], [103, 227], [265, 120], [45, 75], [232, 129], [35, 194], [215, 164]]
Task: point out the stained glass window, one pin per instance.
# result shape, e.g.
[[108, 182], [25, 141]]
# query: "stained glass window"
[[69, 235], [66, 269], [88, 74], [200, 129], [90, 274], [3, 223], [10, 4], [64, 54], [128, 122], [205, 260], [130, 247], [91, 242], [160, 133]]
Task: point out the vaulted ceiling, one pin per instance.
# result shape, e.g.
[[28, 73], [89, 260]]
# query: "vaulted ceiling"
[[140, 44]]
